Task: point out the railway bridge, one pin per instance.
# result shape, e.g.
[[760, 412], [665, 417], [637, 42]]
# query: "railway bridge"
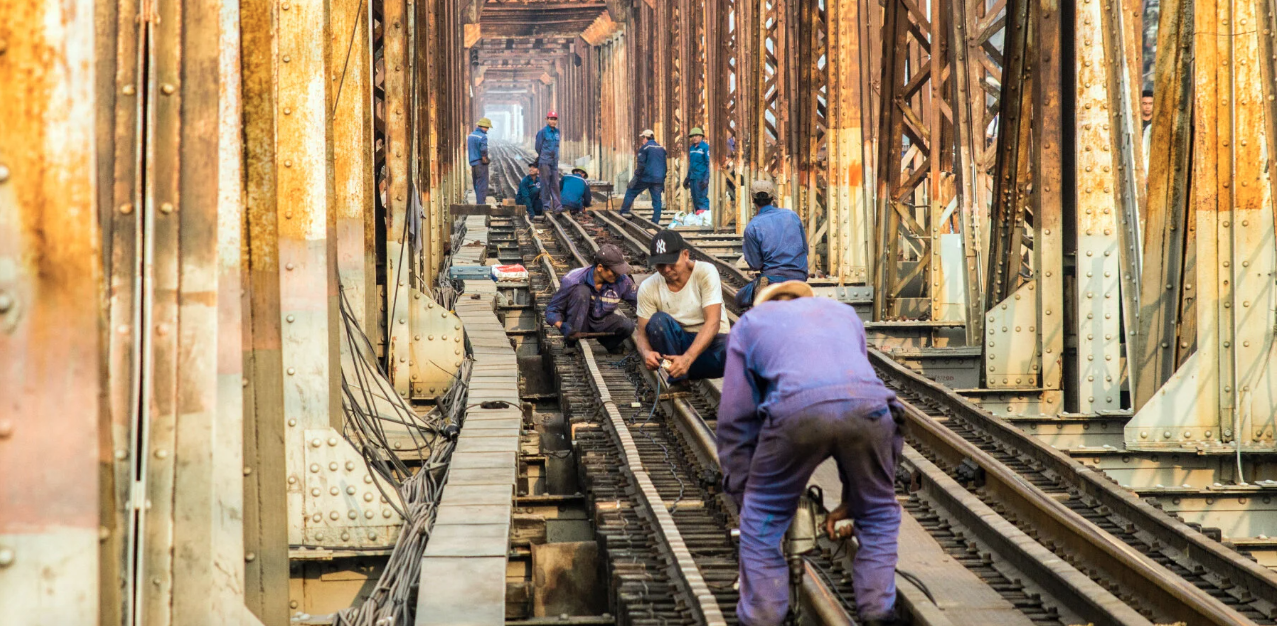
[[266, 360]]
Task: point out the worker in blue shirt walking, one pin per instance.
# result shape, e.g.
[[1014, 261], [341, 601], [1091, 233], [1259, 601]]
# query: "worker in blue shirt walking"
[[548, 159], [477, 147], [649, 175], [775, 244], [697, 179], [529, 194], [575, 191], [798, 388], [588, 296]]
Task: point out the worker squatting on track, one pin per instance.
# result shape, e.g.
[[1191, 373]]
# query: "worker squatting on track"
[[477, 149], [798, 388], [587, 299], [547, 148], [649, 175], [575, 191], [680, 311], [529, 194], [775, 244]]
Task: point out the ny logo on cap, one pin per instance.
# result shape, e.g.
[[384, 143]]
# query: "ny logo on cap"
[[660, 246]]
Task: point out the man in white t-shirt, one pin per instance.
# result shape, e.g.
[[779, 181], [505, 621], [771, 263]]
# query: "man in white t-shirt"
[[680, 312]]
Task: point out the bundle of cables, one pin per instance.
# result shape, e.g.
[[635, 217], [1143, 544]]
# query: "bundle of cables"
[[369, 402]]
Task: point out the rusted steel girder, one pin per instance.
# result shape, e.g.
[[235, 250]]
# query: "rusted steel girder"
[[1218, 231], [54, 441]]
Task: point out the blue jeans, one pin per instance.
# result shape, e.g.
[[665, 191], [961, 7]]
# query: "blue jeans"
[[653, 189], [479, 176], [865, 443], [700, 193], [667, 337]]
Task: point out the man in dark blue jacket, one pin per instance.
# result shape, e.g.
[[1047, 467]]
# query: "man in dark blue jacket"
[[697, 180], [588, 296], [649, 176], [548, 160], [575, 191], [529, 194], [477, 150], [775, 244]]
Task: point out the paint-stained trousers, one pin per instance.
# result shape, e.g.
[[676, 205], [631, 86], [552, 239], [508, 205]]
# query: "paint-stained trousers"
[[479, 176], [577, 319], [550, 186], [866, 443]]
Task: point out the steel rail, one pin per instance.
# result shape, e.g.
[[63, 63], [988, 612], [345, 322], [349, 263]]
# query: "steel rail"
[[705, 605], [1249, 581], [734, 277], [822, 600]]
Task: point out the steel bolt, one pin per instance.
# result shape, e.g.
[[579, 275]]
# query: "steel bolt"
[[6, 557], [168, 89], [126, 208], [4, 172], [129, 90], [166, 208], [250, 557]]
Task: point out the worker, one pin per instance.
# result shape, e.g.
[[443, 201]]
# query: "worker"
[[649, 175], [697, 179], [798, 389], [548, 160], [477, 145], [575, 191], [587, 299], [681, 317], [529, 194], [775, 244]]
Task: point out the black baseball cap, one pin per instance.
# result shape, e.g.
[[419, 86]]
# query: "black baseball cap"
[[610, 256], [666, 246]]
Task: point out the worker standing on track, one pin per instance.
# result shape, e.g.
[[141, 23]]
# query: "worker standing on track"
[[681, 314], [529, 194], [548, 160], [697, 180], [575, 191], [477, 146], [798, 389], [588, 296], [649, 175], [775, 244]]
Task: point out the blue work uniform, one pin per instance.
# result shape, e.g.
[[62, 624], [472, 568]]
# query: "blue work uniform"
[[582, 307], [529, 194], [477, 147], [649, 176], [575, 193], [798, 388], [775, 247], [548, 162], [697, 180]]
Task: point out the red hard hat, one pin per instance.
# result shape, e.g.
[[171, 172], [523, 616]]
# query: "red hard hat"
[[552, 115]]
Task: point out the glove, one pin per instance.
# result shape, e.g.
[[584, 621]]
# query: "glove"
[[484, 160], [687, 183]]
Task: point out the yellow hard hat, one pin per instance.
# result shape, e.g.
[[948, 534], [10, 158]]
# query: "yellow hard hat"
[[696, 131], [485, 122]]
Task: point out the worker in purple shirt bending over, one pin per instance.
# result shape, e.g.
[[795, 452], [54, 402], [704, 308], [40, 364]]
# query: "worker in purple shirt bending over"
[[798, 388], [588, 296]]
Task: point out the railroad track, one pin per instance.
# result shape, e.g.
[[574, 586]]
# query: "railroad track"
[[1125, 561], [509, 166]]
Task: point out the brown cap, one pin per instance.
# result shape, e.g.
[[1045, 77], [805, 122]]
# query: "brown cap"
[[795, 288], [610, 256]]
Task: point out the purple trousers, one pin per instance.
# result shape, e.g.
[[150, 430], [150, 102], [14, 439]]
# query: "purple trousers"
[[866, 444]]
